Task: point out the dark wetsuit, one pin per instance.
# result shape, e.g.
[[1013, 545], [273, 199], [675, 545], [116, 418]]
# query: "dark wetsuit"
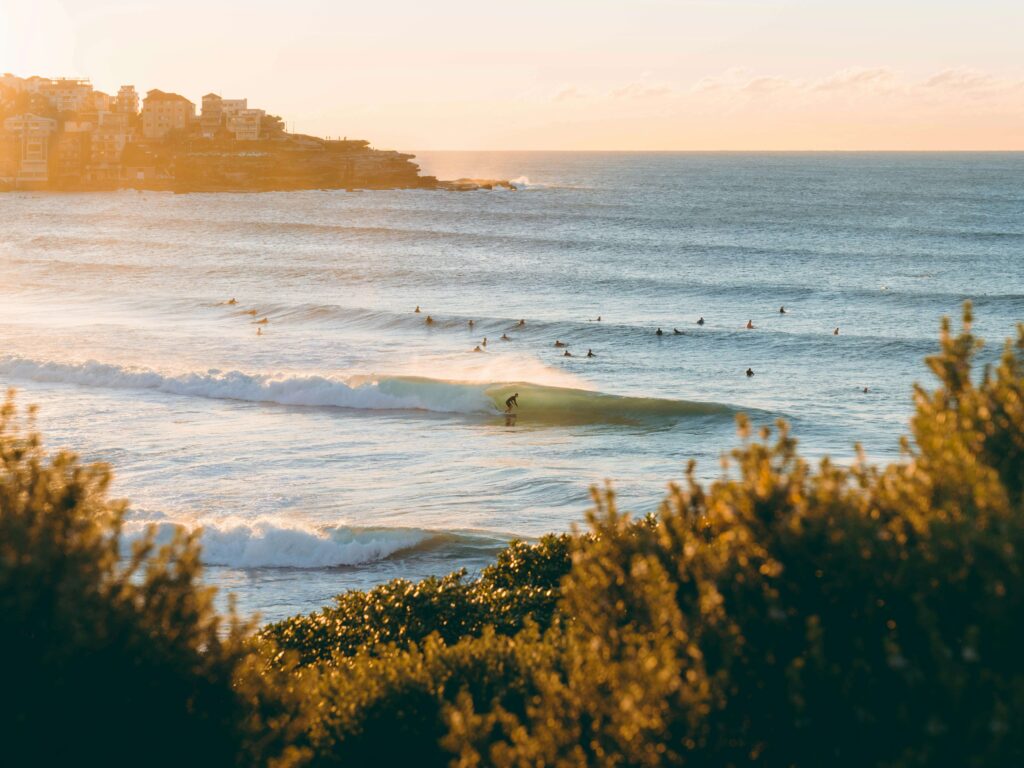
[[514, 400]]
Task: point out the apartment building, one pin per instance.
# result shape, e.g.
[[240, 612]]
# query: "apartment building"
[[33, 146], [164, 113]]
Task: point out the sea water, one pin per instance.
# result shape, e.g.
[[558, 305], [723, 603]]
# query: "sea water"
[[347, 440]]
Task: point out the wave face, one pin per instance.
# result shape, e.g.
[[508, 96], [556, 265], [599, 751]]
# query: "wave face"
[[562, 405], [268, 543], [537, 403]]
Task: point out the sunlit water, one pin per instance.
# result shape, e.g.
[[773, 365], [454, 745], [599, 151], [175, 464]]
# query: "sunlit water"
[[352, 442]]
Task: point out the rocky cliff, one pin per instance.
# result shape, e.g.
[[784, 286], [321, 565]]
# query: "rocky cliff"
[[288, 162]]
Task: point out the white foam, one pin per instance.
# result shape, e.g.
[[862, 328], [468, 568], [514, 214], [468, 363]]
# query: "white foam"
[[492, 368], [266, 543], [523, 182], [368, 394]]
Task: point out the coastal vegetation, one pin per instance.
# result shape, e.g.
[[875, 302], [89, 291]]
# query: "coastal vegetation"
[[784, 615]]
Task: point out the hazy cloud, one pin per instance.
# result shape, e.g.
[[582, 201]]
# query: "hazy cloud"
[[641, 90], [964, 80], [879, 80], [568, 93], [767, 84], [856, 77]]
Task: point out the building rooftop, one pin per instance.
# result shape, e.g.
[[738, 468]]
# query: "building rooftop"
[[157, 95]]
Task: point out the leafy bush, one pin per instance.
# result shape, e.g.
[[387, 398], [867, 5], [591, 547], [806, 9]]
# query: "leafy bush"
[[108, 662], [522, 583], [389, 707]]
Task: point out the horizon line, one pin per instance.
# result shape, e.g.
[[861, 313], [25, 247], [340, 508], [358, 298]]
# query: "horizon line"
[[741, 151]]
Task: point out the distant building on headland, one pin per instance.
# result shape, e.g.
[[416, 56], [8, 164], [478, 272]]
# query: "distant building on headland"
[[165, 113], [63, 134], [127, 100], [232, 116], [31, 155]]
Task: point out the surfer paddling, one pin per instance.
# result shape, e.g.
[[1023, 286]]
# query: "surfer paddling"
[[512, 401]]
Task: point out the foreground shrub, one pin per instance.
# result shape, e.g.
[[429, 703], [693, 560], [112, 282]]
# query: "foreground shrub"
[[389, 707], [107, 662], [522, 584]]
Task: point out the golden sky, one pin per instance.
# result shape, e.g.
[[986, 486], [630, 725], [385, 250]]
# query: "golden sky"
[[563, 74]]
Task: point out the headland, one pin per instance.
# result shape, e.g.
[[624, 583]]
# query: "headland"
[[64, 135]]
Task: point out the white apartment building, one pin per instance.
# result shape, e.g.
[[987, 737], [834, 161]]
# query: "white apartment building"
[[34, 134], [245, 124], [127, 100], [68, 94], [164, 113]]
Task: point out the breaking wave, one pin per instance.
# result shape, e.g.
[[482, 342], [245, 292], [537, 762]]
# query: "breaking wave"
[[537, 403], [269, 543]]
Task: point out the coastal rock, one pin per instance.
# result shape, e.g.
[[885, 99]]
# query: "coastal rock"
[[472, 185]]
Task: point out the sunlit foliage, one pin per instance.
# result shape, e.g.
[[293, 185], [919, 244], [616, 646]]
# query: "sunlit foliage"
[[522, 583], [112, 657]]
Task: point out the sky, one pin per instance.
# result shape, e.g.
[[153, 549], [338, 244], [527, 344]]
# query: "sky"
[[563, 74]]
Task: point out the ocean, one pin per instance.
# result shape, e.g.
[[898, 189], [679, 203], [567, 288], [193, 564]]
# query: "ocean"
[[347, 441]]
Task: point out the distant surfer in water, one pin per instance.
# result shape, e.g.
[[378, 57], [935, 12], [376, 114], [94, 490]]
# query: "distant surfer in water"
[[677, 332], [835, 332], [484, 341], [782, 310], [505, 337], [471, 323], [514, 400], [701, 321], [559, 344], [590, 353], [750, 325], [429, 320], [750, 372], [477, 348], [659, 332], [522, 323], [232, 302], [865, 390], [567, 353], [417, 310]]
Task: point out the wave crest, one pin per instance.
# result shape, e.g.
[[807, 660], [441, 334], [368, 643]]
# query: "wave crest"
[[269, 543], [537, 403]]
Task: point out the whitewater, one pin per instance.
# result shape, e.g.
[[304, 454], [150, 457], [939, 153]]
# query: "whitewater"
[[253, 366]]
